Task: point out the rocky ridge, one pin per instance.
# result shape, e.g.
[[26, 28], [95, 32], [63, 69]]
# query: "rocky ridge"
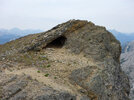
[[76, 60]]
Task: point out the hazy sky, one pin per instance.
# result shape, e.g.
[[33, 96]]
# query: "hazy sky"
[[44, 14]]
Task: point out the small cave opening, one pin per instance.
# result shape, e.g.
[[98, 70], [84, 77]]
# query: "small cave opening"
[[57, 43]]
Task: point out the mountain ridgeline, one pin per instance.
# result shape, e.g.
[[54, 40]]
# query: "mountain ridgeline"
[[12, 34], [123, 37]]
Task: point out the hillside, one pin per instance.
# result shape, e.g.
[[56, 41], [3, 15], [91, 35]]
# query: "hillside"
[[75, 60], [127, 63]]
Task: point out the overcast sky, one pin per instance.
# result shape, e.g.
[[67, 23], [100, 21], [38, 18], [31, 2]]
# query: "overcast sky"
[[44, 14]]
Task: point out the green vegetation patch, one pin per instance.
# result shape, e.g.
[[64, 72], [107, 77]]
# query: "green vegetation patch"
[[46, 75]]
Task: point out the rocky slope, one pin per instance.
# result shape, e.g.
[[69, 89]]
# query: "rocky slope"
[[76, 60], [127, 63]]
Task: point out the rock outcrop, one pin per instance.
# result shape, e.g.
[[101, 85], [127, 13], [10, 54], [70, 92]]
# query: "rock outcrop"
[[76, 60]]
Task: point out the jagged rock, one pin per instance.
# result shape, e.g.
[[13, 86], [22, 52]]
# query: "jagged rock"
[[78, 60]]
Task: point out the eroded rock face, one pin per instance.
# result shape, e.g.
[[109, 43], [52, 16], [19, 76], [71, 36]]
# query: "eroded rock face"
[[102, 82], [83, 57]]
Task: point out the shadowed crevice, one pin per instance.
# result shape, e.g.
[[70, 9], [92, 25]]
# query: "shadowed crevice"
[[57, 43]]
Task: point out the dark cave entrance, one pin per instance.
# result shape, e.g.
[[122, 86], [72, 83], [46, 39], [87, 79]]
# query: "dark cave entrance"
[[57, 43]]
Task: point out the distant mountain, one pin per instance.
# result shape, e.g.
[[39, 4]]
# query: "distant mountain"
[[127, 56], [127, 63], [123, 37], [8, 35], [128, 47]]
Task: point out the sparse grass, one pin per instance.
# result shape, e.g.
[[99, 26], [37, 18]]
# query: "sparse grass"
[[68, 64], [46, 75], [45, 66], [43, 58], [48, 65], [30, 59], [38, 71], [75, 63]]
